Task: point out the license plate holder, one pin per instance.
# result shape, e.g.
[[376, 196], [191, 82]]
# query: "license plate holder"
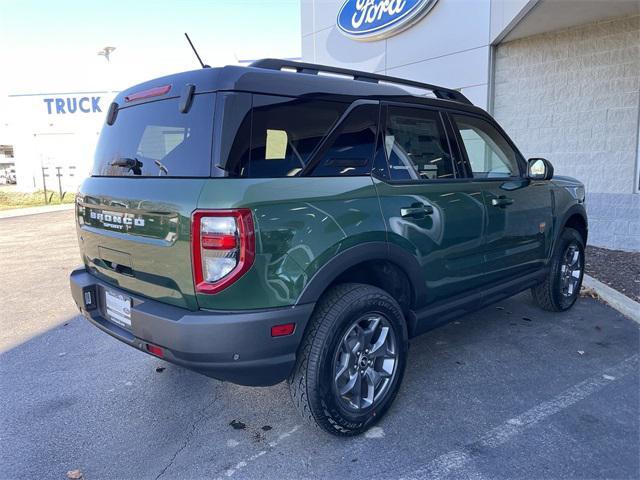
[[118, 308]]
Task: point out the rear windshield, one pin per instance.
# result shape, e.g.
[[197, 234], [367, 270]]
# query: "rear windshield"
[[155, 139]]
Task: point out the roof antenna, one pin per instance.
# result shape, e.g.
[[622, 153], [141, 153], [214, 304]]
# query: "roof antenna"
[[196, 52]]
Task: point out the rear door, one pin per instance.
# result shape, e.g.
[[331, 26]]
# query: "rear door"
[[429, 211], [134, 212], [520, 221]]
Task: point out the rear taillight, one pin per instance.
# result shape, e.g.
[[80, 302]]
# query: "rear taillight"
[[223, 244]]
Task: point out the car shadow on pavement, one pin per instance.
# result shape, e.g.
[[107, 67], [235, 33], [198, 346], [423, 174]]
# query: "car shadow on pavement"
[[75, 398]]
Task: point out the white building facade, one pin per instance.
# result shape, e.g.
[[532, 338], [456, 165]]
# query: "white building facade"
[[56, 132], [561, 76]]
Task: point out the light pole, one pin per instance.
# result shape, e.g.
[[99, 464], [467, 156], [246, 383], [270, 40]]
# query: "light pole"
[[106, 51]]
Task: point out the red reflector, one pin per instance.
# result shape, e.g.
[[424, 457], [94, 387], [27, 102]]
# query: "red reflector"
[[283, 330], [152, 92], [155, 350], [224, 242]]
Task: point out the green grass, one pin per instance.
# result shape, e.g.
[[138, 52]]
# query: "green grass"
[[12, 199]]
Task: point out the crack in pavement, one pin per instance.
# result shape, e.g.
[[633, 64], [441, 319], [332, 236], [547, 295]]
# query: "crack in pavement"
[[200, 419]]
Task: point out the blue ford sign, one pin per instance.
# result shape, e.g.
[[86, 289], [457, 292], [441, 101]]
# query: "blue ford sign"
[[377, 19]]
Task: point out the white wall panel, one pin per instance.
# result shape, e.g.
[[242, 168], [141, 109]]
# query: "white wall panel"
[[452, 26], [326, 12], [333, 48], [306, 17], [308, 49], [464, 69], [477, 95]]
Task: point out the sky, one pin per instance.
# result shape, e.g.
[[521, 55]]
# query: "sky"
[[51, 46]]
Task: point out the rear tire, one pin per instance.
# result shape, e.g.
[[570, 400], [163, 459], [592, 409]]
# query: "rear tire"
[[351, 361], [561, 288]]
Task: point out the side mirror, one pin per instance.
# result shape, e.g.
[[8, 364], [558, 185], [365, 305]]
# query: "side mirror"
[[539, 169]]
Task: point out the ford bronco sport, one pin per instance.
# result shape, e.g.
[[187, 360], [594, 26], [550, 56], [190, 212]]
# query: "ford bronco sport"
[[289, 221]]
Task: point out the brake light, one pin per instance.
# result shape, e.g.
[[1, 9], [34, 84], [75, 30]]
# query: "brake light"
[[152, 92], [223, 247]]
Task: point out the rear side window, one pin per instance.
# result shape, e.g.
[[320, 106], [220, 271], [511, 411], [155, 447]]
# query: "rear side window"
[[285, 132], [416, 145], [155, 139], [351, 149]]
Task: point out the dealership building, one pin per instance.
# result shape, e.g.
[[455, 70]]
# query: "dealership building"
[[561, 76], [53, 136]]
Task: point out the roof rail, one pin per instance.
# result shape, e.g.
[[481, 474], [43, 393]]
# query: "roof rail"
[[313, 69]]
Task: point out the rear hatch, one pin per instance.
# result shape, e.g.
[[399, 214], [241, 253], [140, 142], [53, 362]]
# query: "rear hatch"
[[134, 212]]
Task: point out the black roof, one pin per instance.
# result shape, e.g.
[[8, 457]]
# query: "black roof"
[[296, 79]]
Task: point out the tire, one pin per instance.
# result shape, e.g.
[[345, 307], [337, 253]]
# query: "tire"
[[343, 321], [553, 294]]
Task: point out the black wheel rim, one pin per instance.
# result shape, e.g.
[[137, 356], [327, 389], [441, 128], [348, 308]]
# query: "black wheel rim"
[[571, 270], [365, 362]]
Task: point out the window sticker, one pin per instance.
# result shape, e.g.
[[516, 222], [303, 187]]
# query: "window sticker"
[[276, 145]]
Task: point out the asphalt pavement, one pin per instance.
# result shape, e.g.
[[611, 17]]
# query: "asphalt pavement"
[[507, 392]]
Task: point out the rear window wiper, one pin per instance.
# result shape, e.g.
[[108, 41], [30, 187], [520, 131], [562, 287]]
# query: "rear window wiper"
[[133, 164]]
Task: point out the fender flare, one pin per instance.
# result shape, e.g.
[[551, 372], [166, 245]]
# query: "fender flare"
[[575, 209], [364, 252]]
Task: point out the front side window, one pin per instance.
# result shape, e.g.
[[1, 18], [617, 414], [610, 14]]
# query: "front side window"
[[416, 145], [489, 153]]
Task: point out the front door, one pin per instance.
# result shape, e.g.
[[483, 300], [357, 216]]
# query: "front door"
[[520, 222], [429, 211]]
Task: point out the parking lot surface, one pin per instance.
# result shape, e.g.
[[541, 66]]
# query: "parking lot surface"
[[507, 392]]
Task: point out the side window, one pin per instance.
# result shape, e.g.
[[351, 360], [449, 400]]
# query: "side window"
[[350, 151], [416, 145], [284, 133], [489, 153], [233, 120]]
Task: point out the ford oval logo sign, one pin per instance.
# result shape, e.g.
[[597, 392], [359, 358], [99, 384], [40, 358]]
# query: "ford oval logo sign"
[[378, 19]]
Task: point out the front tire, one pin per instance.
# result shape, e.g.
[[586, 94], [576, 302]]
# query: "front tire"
[[351, 361], [561, 288]]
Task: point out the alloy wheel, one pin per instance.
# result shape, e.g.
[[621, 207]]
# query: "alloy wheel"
[[365, 362], [570, 270]]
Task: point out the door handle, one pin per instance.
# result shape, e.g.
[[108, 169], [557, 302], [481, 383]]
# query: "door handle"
[[501, 201], [416, 211]]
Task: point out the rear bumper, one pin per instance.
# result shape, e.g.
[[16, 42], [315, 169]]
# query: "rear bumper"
[[233, 346]]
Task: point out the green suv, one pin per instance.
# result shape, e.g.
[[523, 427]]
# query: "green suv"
[[289, 221]]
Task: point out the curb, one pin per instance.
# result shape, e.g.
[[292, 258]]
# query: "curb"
[[613, 298], [22, 212]]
